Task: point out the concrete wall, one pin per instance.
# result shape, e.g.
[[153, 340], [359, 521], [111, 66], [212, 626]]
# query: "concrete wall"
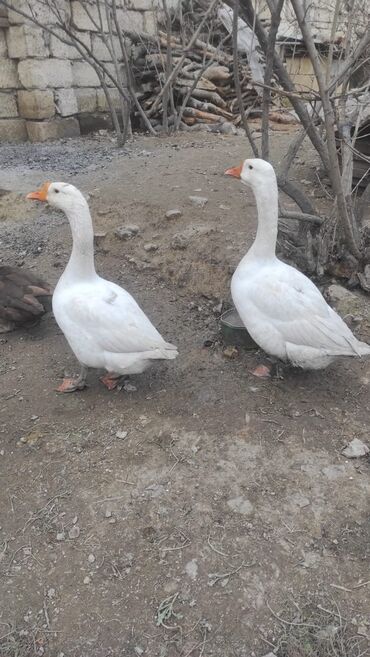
[[46, 89]]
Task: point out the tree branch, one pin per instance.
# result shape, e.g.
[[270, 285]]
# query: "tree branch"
[[237, 79], [266, 97]]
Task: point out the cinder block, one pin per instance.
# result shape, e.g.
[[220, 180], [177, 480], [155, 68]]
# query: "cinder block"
[[13, 130], [55, 129], [41, 74], [3, 48], [65, 51], [102, 100], [42, 12], [130, 20], [112, 70], [26, 41], [86, 99], [142, 5], [57, 47], [36, 104], [150, 22], [66, 102], [8, 74], [101, 51], [84, 75], [8, 105], [82, 20]]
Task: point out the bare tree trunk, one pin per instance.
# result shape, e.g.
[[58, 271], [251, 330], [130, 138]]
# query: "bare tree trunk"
[[266, 98], [237, 80], [345, 221]]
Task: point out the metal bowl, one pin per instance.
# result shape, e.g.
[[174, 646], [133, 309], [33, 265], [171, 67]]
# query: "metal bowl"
[[234, 332]]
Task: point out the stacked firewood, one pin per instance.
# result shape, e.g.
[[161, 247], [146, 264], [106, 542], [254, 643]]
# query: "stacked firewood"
[[203, 91]]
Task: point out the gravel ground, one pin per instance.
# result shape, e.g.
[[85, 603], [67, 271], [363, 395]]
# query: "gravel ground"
[[204, 510]]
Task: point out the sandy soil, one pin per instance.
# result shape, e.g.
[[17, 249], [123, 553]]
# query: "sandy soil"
[[223, 494]]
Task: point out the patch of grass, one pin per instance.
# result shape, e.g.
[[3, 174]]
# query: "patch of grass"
[[30, 642], [316, 630]]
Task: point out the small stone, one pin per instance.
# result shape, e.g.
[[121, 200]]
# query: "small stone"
[[355, 449], [230, 352], [173, 214], [129, 387], [61, 536], [121, 435], [74, 532], [138, 650], [240, 505], [150, 247], [126, 232], [99, 237], [299, 500], [333, 472], [91, 558], [179, 242], [199, 201], [87, 580], [51, 593], [191, 569], [108, 513], [327, 633], [34, 417]]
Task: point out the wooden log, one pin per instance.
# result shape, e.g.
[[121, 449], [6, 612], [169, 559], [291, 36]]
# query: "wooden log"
[[212, 52], [210, 96], [189, 120], [217, 73], [198, 114], [203, 84], [209, 107]]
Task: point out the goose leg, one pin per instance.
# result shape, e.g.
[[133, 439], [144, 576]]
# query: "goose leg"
[[274, 370], [72, 384], [110, 380]]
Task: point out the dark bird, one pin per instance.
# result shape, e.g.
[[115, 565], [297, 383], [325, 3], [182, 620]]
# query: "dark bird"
[[24, 298]]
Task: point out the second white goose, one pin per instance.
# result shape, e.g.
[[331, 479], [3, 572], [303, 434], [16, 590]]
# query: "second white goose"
[[284, 312]]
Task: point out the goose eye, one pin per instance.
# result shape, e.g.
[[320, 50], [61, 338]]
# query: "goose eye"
[[250, 166], [56, 191]]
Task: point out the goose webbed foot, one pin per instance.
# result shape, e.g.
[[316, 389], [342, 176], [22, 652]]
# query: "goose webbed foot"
[[72, 384], [273, 370], [110, 380]]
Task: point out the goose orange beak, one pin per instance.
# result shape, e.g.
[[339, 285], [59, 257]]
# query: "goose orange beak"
[[234, 171], [41, 194]]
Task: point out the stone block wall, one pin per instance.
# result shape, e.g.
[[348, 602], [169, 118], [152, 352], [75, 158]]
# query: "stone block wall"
[[46, 88]]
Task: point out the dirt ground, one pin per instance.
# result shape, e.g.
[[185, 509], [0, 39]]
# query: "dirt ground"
[[182, 517]]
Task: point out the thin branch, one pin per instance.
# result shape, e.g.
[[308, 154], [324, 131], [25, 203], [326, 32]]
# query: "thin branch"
[[237, 79], [301, 216], [266, 97]]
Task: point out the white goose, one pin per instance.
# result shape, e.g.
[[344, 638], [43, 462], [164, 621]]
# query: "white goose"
[[282, 309], [103, 324]]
